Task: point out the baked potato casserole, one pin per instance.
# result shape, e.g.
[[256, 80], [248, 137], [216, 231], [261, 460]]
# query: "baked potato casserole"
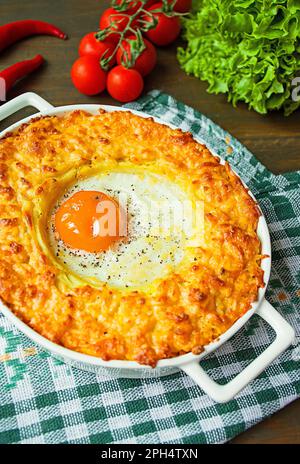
[[142, 294]]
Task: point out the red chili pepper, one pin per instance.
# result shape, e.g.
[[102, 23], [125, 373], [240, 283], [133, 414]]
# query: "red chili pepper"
[[19, 70], [12, 32]]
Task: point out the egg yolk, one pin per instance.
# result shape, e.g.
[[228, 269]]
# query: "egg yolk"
[[90, 221]]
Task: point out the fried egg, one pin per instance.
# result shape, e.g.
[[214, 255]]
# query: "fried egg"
[[119, 228]]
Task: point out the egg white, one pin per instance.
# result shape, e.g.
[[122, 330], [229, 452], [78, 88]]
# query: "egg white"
[[154, 246]]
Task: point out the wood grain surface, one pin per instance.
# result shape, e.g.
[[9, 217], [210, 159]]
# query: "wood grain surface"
[[274, 139]]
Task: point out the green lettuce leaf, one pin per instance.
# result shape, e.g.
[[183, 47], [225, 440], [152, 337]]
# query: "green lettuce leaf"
[[249, 49]]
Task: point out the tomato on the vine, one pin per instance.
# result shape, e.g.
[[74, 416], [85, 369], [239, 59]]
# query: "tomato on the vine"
[[145, 61], [88, 76], [116, 20], [166, 30], [89, 45], [124, 84]]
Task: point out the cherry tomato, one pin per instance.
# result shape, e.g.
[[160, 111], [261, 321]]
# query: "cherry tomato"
[[88, 76], [145, 62], [124, 84], [89, 45], [132, 6], [150, 3], [166, 30], [111, 15], [182, 6]]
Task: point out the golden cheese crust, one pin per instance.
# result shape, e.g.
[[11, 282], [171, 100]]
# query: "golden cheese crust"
[[184, 311]]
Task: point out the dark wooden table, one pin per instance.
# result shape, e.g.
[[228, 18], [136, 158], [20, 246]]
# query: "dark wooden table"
[[274, 139]]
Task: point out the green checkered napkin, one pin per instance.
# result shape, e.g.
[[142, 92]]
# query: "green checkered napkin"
[[46, 401]]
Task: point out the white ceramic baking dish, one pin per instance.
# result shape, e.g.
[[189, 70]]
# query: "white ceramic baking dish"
[[188, 363]]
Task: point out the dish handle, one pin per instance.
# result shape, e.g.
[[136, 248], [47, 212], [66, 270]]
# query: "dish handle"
[[26, 99], [222, 393]]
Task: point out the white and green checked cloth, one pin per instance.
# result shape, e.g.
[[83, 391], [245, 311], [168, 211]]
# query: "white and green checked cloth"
[[46, 401]]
